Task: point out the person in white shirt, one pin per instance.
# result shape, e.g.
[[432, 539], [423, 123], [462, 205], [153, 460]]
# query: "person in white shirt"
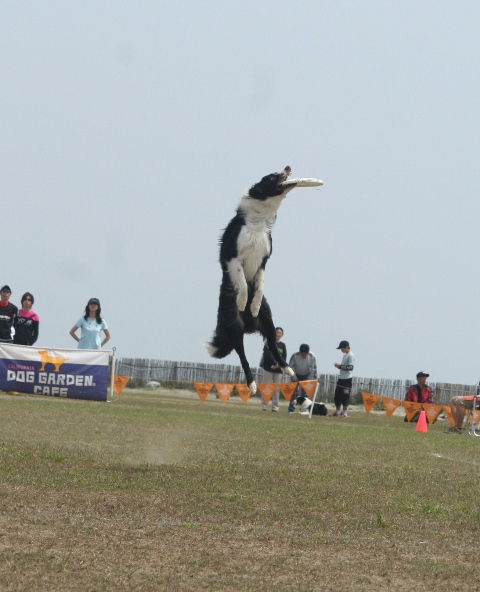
[[344, 380]]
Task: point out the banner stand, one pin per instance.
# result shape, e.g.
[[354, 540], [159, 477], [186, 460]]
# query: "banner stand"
[[112, 374], [313, 400]]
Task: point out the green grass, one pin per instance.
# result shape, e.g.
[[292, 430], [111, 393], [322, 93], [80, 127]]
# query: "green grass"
[[157, 491]]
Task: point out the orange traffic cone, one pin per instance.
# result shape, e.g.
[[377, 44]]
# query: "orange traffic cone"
[[422, 422]]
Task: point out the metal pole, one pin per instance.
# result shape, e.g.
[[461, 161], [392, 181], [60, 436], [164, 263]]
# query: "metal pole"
[[112, 375], [313, 400]]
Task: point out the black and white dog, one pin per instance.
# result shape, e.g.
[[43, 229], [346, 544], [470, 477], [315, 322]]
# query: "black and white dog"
[[245, 248]]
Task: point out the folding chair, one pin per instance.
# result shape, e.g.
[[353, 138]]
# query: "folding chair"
[[472, 426]]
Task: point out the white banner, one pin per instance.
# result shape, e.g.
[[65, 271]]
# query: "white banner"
[[72, 373]]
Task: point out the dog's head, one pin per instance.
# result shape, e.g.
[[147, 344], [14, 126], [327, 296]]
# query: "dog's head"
[[271, 185]]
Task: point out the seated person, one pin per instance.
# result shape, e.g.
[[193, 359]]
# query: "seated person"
[[419, 393], [458, 405]]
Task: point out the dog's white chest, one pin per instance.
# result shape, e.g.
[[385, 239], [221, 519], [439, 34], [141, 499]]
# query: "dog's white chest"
[[253, 247]]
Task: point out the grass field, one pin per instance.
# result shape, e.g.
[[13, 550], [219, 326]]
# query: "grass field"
[[157, 491]]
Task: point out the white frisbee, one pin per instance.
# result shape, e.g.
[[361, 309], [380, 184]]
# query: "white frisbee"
[[304, 182]]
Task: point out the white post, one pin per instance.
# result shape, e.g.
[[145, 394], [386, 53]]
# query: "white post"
[[112, 375], [313, 400]]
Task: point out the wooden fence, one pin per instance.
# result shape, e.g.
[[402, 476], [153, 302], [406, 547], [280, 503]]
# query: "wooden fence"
[[185, 374]]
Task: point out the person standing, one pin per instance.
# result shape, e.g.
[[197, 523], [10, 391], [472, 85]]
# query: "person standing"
[[272, 373], [344, 380], [304, 364], [91, 325], [419, 393], [26, 323], [8, 315]]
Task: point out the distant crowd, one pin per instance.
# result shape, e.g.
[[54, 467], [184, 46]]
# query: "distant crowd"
[[304, 365], [21, 326]]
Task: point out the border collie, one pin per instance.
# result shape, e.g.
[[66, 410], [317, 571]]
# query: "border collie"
[[245, 248]]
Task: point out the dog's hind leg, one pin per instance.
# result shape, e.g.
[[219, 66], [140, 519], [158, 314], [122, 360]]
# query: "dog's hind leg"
[[240, 349]]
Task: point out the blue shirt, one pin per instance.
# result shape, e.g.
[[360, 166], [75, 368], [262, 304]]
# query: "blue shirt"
[[90, 337]]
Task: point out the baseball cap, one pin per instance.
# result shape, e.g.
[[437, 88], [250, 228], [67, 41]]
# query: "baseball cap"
[[6, 289], [94, 301], [343, 344], [422, 374]]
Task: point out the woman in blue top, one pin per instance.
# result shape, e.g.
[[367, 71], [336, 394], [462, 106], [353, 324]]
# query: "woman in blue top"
[[91, 325]]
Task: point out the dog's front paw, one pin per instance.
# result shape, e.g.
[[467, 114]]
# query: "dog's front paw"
[[242, 301], [288, 371], [253, 388]]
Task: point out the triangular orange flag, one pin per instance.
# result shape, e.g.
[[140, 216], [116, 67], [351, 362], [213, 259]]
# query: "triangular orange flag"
[[203, 388], [287, 389], [267, 390], [411, 409], [119, 383], [432, 411], [243, 392], [369, 400], [224, 391], [448, 413], [390, 405], [308, 386]]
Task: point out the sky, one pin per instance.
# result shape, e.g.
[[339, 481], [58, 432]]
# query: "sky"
[[130, 129]]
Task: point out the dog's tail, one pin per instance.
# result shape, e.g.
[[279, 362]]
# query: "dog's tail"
[[219, 347]]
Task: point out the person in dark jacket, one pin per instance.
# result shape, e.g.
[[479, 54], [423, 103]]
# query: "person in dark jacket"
[[272, 373], [27, 322], [8, 314]]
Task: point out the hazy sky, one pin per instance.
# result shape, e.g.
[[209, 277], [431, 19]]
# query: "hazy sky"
[[129, 131]]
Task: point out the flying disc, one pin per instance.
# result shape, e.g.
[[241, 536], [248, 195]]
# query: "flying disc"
[[304, 182]]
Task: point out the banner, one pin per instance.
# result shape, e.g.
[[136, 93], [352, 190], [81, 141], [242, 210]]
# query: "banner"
[[71, 373], [390, 405], [203, 388], [119, 383], [432, 411], [243, 392], [267, 391], [369, 400], [411, 409], [224, 391], [309, 386], [287, 389], [448, 413]]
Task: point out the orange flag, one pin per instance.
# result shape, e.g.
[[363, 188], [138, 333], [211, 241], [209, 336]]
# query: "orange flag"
[[224, 391], [119, 383], [203, 388], [432, 411], [309, 386], [243, 392], [267, 390], [448, 413], [411, 408], [369, 400], [287, 389], [390, 405]]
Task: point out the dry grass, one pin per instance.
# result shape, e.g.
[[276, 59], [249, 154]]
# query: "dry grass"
[[157, 491]]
